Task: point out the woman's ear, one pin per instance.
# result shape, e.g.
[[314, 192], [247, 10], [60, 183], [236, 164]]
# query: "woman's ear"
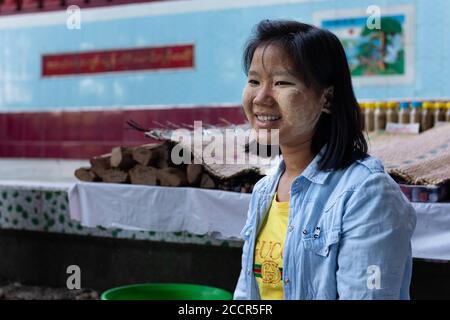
[[326, 99]]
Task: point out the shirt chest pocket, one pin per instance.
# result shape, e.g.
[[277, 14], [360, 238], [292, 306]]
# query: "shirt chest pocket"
[[321, 242]]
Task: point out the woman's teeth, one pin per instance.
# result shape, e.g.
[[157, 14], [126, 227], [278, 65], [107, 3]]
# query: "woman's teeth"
[[267, 118]]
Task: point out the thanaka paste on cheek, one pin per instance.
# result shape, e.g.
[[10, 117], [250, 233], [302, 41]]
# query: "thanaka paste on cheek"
[[247, 104], [300, 114]]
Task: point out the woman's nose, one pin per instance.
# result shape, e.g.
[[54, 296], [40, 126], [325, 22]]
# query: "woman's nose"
[[263, 96]]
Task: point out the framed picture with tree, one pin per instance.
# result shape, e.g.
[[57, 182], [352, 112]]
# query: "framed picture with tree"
[[378, 42]]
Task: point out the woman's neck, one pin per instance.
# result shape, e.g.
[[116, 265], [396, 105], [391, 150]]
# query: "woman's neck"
[[296, 158]]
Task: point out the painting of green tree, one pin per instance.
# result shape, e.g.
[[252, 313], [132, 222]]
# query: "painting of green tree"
[[372, 51], [380, 51]]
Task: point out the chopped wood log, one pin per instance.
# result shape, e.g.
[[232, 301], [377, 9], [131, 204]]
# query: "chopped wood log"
[[163, 160], [146, 154], [122, 158], [143, 175], [85, 174], [172, 177], [246, 187], [194, 173], [115, 176], [226, 186], [100, 163], [207, 182]]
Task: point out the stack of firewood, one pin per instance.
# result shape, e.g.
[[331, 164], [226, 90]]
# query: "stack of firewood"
[[150, 164]]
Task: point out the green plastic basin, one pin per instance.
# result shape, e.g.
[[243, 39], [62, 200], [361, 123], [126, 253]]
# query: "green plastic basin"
[[166, 291]]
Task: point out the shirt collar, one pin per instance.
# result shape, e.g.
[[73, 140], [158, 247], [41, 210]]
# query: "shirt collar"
[[312, 171]]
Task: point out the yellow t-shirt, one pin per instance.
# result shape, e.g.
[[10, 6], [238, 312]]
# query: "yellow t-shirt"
[[268, 259]]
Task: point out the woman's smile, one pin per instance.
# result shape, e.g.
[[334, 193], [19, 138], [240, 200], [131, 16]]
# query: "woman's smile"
[[267, 120]]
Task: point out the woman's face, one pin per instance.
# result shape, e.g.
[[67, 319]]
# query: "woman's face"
[[274, 98]]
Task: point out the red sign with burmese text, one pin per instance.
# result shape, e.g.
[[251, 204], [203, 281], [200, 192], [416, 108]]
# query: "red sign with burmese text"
[[154, 58]]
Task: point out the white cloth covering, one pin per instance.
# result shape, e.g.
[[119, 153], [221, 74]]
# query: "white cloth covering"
[[215, 212], [160, 209], [431, 239]]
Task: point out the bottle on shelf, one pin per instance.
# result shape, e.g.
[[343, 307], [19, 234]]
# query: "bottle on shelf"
[[439, 111], [369, 116], [447, 113], [416, 112], [380, 116], [362, 110], [403, 113], [427, 115], [392, 112]]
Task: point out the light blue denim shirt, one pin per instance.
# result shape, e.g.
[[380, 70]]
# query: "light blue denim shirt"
[[348, 234]]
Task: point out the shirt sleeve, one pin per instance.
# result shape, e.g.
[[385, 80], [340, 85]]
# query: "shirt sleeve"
[[374, 257], [240, 293]]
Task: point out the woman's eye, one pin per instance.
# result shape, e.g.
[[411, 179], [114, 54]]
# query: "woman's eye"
[[283, 83], [254, 82]]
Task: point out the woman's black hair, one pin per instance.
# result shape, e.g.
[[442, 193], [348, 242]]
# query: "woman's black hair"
[[320, 61]]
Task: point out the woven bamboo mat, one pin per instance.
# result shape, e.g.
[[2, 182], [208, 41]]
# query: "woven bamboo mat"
[[417, 159], [219, 164], [422, 159]]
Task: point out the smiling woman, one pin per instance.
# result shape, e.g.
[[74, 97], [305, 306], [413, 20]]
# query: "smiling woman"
[[329, 223], [272, 81], [307, 66]]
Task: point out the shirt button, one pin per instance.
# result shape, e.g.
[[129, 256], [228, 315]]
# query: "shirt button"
[[291, 228], [305, 231], [247, 233], [286, 281]]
